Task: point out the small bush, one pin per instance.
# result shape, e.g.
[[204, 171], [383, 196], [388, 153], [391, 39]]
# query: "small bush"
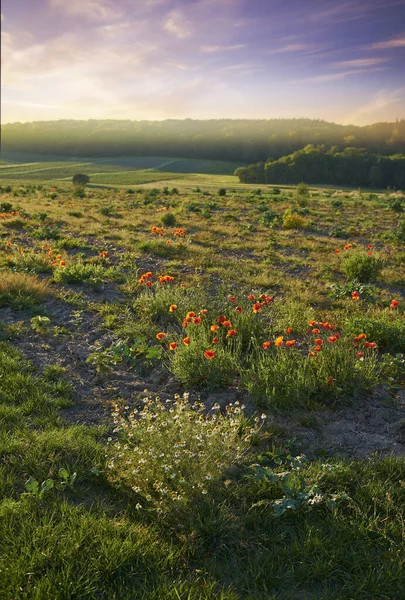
[[361, 267], [20, 290], [294, 221], [387, 330], [222, 192], [82, 273], [169, 219]]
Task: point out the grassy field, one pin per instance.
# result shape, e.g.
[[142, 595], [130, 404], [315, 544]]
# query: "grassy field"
[[202, 388]]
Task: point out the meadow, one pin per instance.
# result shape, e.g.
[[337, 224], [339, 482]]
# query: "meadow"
[[202, 386]]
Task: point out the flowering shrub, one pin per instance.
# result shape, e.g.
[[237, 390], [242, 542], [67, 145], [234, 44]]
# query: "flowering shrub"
[[169, 453]]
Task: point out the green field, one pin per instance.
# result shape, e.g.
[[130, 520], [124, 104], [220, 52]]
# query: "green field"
[[202, 386]]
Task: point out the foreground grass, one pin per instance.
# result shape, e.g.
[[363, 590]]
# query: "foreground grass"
[[88, 540]]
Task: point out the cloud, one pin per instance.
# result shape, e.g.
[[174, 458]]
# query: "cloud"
[[358, 63], [353, 10], [177, 26], [290, 48], [94, 9], [384, 102], [333, 76], [212, 49], [398, 42]]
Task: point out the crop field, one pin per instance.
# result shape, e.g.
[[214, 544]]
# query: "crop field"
[[202, 386]]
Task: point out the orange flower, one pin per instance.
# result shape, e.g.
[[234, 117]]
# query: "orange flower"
[[369, 253], [191, 314], [290, 343], [59, 256], [312, 323], [316, 331], [394, 304], [266, 345], [360, 354], [318, 341], [288, 330], [186, 341], [251, 297], [185, 322], [173, 346], [209, 354], [203, 311], [42, 247], [269, 299], [161, 335], [362, 336], [168, 242], [279, 341], [172, 307], [197, 320], [214, 328], [215, 340], [317, 348], [148, 275], [256, 307], [239, 309], [370, 246], [221, 319], [355, 296], [62, 263], [312, 354], [227, 324], [232, 299], [148, 283], [333, 338], [337, 251], [231, 333]]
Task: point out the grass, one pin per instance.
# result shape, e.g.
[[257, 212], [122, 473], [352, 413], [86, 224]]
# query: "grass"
[[89, 506]]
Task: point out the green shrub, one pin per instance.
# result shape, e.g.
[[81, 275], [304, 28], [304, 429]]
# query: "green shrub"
[[222, 192], [168, 219], [386, 329], [361, 267], [20, 290], [82, 273], [294, 221]]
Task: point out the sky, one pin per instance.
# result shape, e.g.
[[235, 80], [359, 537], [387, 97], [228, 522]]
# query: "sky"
[[337, 60]]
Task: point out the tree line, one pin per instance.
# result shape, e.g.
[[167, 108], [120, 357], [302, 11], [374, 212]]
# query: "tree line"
[[316, 164], [241, 140]]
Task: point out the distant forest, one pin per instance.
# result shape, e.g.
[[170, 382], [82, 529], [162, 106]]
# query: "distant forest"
[[352, 166], [243, 141]]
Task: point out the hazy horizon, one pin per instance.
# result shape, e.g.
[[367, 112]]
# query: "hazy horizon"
[[203, 59]]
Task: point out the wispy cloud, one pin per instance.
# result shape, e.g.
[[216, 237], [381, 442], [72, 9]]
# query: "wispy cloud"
[[212, 49], [94, 9], [377, 108], [287, 48], [352, 10], [177, 25], [333, 76], [397, 42], [360, 63]]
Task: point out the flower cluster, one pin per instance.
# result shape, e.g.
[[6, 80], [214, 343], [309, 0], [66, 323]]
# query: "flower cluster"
[[147, 279]]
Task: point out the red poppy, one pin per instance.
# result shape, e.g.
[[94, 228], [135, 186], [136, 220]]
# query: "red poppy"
[[197, 320], [221, 318], [209, 354], [173, 346], [227, 324], [266, 345], [161, 335], [290, 343], [215, 340], [317, 348], [256, 307], [288, 330], [362, 336], [251, 297], [231, 333], [318, 341], [186, 341], [394, 304], [214, 328]]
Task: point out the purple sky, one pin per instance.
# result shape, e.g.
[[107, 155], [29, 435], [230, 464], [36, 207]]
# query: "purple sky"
[[342, 61]]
